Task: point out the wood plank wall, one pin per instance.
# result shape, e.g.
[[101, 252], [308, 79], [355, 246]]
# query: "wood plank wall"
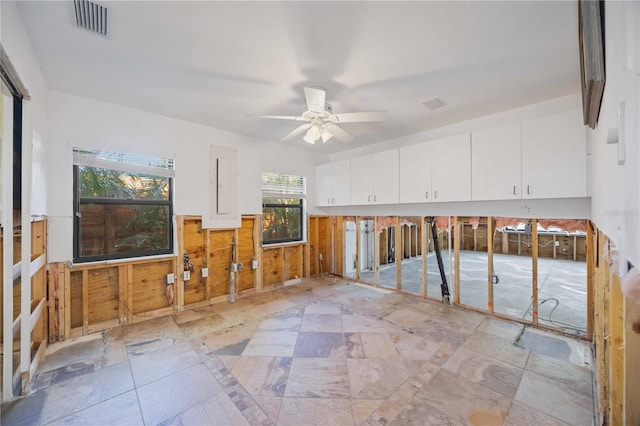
[[616, 340], [86, 298]]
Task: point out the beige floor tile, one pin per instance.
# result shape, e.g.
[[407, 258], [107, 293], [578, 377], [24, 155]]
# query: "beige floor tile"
[[315, 412], [80, 392], [322, 323], [459, 316], [271, 343], [488, 372], [370, 345], [362, 408], [270, 405], [365, 324], [459, 400], [575, 377], [501, 328], [262, 376], [122, 409], [203, 326], [555, 399], [186, 316], [318, 378], [498, 348], [222, 411], [521, 415], [378, 378], [289, 321], [320, 345], [154, 365], [407, 318], [231, 341], [322, 308]]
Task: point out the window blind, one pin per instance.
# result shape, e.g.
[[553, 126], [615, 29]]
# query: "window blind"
[[279, 185], [131, 163]]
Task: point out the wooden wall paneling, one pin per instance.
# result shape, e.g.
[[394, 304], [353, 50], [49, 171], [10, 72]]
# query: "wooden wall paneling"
[[220, 261], [323, 246], [246, 252], [603, 365], [193, 244], [149, 285], [340, 246], [313, 246], [534, 267], [292, 260], [55, 304], [129, 287], [285, 258], [85, 301], [102, 301], [590, 240], [76, 299], [271, 266], [631, 361], [400, 248], [616, 347], [179, 284], [257, 276], [123, 300], [456, 260], [206, 235]]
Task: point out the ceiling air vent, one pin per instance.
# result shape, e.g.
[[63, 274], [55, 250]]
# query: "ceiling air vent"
[[91, 16], [434, 103]]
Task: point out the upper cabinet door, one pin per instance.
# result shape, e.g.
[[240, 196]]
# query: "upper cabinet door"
[[415, 174], [495, 163], [554, 156], [451, 168], [341, 183], [322, 177], [386, 178], [361, 180]]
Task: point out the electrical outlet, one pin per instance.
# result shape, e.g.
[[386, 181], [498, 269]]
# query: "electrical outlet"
[[557, 243], [205, 272], [186, 275], [254, 264], [171, 278], [240, 266]]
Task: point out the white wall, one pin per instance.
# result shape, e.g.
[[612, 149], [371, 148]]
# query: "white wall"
[[81, 122], [16, 43], [615, 189]]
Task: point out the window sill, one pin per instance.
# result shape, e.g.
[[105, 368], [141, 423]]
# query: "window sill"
[[140, 259], [287, 244]]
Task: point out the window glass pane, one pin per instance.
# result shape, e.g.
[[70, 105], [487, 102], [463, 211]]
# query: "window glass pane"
[[115, 228], [294, 201], [281, 223], [106, 183]]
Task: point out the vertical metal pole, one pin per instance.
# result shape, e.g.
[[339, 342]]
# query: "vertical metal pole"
[[534, 265]]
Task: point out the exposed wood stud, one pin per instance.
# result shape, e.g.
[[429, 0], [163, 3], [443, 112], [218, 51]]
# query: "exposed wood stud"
[[399, 253], [534, 266]]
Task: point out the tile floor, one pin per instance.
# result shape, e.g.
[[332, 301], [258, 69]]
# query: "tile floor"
[[324, 352]]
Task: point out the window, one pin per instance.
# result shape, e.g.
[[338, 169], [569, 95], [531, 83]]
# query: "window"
[[123, 205], [282, 207]]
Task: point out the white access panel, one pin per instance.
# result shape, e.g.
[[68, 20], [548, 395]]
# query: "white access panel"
[[451, 168], [415, 174], [386, 177], [495, 163], [223, 189], [554, 156], [361, 182]]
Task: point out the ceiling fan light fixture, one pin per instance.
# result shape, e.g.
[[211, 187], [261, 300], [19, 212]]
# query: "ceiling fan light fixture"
[[312, 135], [325, 135]]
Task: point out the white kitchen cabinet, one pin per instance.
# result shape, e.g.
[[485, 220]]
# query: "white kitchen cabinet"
[[375, 178], [495, 163], [451, 169], [554, 156], [415, 173], [332, 184]]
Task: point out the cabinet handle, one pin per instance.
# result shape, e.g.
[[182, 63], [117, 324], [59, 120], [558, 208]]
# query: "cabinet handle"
[[528, 189], [369, 199], [328, 200], [375, 198], [435, 194], [426, 195], [515, 190], [333, 200]]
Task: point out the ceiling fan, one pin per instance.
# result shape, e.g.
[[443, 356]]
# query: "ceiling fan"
[[321, 121]]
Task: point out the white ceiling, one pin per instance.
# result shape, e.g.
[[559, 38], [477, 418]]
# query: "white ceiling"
[[218, 63]]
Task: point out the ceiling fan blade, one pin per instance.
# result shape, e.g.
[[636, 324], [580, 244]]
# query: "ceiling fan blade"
[[283, 117], [340, 134], [354, 117], [299, 130], [315, 99]]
